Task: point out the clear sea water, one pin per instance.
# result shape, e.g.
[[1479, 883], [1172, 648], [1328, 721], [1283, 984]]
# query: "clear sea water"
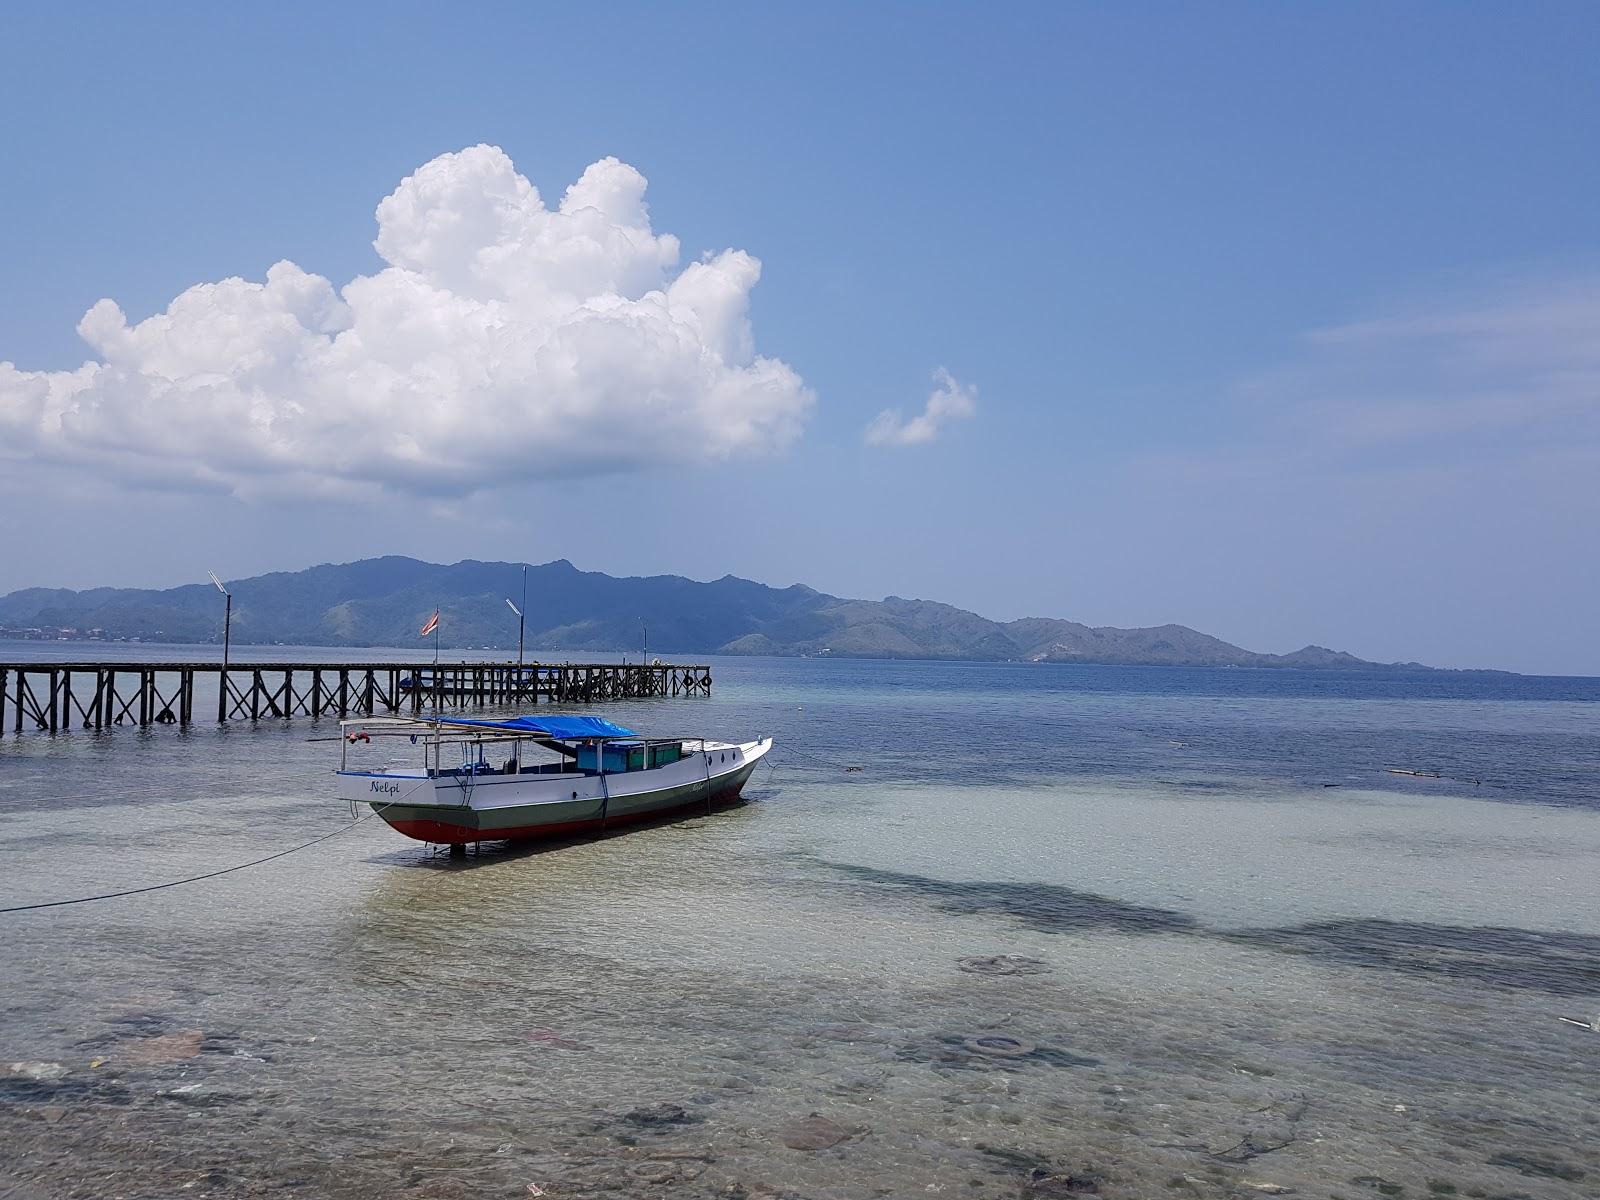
[[1261, 961]]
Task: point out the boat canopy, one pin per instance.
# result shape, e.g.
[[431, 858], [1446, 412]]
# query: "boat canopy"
[[565, 729]]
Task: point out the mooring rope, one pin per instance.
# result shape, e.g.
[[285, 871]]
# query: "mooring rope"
[[172, 883], [785, 752]]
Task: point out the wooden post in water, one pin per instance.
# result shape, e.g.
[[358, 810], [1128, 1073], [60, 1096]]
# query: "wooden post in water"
[[52, 696]]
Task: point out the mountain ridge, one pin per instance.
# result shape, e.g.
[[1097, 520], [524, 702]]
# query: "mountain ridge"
[[383, 601]]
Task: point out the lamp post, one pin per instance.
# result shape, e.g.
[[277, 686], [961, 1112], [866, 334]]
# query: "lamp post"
[[522, 624], [227, 637]]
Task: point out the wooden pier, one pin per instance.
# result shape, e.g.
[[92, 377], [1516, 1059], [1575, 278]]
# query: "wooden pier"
[[65, 695]]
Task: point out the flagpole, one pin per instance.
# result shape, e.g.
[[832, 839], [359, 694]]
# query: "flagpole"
[[432, 626]]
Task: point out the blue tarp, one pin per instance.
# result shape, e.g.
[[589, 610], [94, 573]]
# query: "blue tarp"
[[562, 728]]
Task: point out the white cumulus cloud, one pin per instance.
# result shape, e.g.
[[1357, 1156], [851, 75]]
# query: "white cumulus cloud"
[[504, 341], [950, 400]]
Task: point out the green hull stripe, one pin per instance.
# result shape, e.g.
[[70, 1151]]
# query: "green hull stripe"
[[561, 812]]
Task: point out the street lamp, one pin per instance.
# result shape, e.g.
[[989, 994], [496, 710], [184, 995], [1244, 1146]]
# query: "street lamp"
[[522, 621], [227, 637], [521, 625], [644, 674], [227, 619]]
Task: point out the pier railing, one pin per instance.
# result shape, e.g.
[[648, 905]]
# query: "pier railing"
[[100, 695]]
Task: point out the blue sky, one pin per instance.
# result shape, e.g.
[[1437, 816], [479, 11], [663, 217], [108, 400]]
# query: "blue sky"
[[1277, 321]]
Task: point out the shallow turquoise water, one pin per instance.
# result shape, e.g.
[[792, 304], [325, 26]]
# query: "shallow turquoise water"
[[1250, 977]]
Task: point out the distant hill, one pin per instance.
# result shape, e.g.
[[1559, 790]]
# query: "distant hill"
[[384, 601]]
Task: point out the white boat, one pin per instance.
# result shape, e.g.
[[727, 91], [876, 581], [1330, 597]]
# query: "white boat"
[[461, 780]]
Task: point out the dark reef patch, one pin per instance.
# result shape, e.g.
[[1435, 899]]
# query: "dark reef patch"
[[1561, 964], [1043, 906]]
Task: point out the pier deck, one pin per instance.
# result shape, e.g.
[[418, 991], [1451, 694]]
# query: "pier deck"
[[55, 696]]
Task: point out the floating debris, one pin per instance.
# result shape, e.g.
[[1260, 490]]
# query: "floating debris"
[[1004, 964]]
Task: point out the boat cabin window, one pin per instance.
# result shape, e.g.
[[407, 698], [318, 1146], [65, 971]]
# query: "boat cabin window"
[[630, 756], [523, 758]]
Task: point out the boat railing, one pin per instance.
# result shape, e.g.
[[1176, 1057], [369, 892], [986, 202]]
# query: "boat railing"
[[433, 736]]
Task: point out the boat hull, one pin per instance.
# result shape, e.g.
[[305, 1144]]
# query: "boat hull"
[[412, 809], [533, 822]]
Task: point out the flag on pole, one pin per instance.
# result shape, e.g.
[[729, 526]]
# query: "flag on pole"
[[433, 623]]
